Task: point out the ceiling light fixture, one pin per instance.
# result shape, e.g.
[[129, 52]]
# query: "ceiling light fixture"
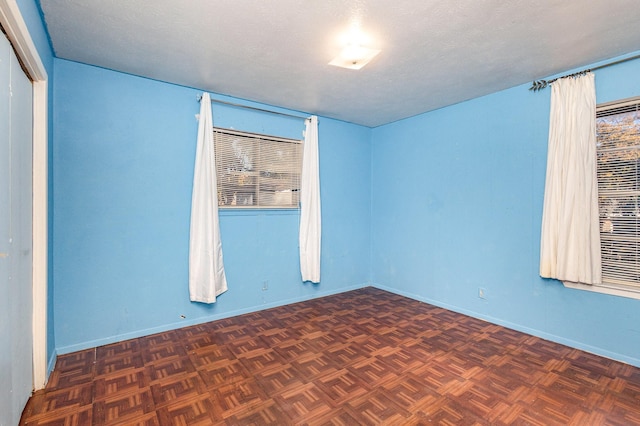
[[354, 57], [354, 54]]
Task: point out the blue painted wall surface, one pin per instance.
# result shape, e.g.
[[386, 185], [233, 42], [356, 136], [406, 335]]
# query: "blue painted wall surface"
[[124, 150], [457, 199]]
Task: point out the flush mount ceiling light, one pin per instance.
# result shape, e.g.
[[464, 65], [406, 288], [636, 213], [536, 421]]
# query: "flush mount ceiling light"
[[354, 54], [354, 57]]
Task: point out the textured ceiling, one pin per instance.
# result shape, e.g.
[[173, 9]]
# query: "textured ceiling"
[[434, 52]]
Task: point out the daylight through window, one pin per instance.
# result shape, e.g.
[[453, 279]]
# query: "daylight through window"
[[618, 164], [257, 171]]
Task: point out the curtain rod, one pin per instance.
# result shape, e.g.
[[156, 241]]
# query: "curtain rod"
[[255, 108], [537, 85]]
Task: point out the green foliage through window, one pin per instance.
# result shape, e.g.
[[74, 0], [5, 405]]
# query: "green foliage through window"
[[618, 165]]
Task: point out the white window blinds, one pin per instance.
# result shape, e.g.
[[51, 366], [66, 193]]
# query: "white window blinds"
[[257, 171], [618, 164]]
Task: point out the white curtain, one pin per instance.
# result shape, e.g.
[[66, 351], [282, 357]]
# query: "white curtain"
[[310, 219], [570, 241], [207, 279]]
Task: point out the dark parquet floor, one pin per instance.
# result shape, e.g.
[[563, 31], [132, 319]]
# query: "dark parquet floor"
[[365, 357]]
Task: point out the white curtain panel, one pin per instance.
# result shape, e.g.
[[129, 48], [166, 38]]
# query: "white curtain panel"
[[310, 218], [570, 240], [207, 279]]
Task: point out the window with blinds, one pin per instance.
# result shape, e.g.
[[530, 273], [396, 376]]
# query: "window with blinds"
[[257, 171], [618, 165]]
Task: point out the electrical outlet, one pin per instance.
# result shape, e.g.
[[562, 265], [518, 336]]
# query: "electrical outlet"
[[481, 293]]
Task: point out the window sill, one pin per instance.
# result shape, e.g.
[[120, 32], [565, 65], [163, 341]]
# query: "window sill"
[[611, 289], [253, 211]]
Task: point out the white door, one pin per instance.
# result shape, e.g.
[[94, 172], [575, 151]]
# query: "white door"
[[16, 236]]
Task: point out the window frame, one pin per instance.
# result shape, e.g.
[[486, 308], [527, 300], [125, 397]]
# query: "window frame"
[[261, 174], [615, 289]]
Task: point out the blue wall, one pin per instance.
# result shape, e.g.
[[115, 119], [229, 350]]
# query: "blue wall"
[[433, 207], [124, 150], [457, 199]]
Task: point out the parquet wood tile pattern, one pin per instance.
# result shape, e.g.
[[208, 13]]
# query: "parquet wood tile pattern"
[[365, 357]]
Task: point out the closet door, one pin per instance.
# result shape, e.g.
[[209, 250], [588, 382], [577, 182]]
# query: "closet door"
[[5, 216], [16, 235]]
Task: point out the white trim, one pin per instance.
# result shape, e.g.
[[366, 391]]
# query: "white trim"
[[617, 104], [611, 289], [18, 34], [21, 41], [40, 229]]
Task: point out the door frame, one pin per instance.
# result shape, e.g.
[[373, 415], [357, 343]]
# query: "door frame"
[[18, 34]]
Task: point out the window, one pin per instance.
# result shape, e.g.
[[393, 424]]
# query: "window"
[[257, 171], [618, 165]]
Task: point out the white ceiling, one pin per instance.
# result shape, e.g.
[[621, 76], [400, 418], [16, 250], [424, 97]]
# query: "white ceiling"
[[434, 52]]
